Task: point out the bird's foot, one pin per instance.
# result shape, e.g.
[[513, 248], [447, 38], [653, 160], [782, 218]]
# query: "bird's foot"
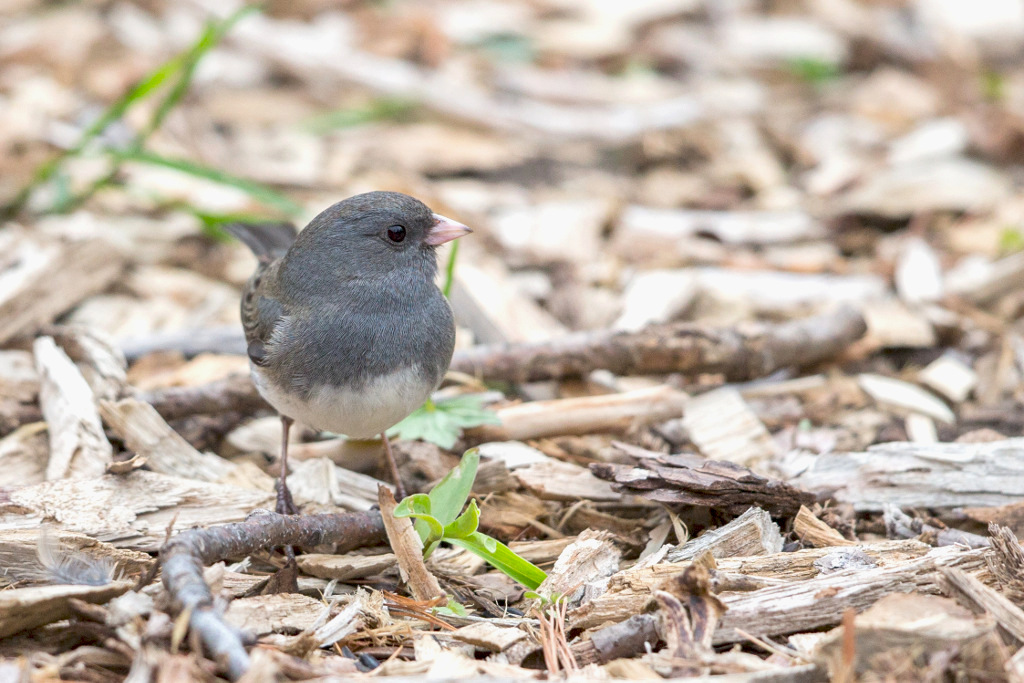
[[285, 504]]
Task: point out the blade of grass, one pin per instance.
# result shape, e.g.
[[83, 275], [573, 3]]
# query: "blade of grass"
[[254, 189], [183, 65], [449, 270]]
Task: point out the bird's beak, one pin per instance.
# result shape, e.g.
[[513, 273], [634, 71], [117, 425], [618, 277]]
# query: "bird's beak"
[[445, 230]]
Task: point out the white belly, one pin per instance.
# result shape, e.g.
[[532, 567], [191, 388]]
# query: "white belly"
[[361, 414]]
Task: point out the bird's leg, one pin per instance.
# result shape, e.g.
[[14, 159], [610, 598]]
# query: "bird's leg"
[[285, 504], [399, 488]]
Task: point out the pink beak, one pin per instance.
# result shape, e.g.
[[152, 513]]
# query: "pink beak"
[[445, 230]]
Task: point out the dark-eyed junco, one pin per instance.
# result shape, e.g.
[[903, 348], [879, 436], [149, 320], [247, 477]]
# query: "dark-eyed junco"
[[346, 330]]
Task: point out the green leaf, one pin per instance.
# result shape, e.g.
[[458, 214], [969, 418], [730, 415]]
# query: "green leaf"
[[466, 523], [500, 556], [418, 506], [442, 423], [451, 493], [255, 190], [452, 609]]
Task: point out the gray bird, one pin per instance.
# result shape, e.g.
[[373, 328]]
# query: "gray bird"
[[346, 330]]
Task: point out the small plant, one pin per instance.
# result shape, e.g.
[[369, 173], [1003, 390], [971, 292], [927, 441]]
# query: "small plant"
[[816, 72], [168, 84], [438, 519], [442, 422]]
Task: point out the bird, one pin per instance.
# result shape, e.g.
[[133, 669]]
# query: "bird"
[[346, 330]]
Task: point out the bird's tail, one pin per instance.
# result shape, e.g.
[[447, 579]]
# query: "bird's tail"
[[267, 240]]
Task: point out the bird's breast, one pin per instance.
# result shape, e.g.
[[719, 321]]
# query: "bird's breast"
[[361, 411]]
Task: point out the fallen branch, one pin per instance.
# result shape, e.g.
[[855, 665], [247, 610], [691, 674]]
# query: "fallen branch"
[[737, 354], [184, 556], [685, 479]]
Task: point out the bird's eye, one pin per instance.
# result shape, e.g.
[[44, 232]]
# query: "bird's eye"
[[396, 233]]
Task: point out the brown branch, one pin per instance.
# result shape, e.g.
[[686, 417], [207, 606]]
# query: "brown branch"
[[659, 349], [232, 394], [738, 354], [184, 556]]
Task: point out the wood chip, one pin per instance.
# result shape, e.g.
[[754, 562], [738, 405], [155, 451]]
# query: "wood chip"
[[346, 567], [25, 608], [907, 475], [815, 532], [723, 427], [78, 446], [281, 612], [752, 533], [582, 570], [557, 480], [28, 297], [905, 396], [408, 549], [146, 433], [950, 377], [487, 636]]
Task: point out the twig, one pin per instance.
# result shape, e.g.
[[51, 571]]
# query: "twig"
[[184, 556], [658, 349]]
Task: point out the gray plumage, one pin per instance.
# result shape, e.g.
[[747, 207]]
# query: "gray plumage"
[[342, 323]]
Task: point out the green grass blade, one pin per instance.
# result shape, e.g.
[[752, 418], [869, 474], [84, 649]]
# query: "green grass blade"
[[449, 270], [256, 190]]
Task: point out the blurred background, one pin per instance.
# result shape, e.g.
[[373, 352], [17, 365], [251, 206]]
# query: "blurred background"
[[621, 163]]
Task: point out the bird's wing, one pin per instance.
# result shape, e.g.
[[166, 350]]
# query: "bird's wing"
[[264, 317]]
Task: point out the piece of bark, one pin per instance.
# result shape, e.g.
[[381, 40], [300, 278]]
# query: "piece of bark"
[[346, 567], [723, 427], [490, 637], [19, 379], [97, 356], [488, 304], [1007, 562], [752, 533], [23, 455], [820, 602], [624, 639], [629, 591], [321, 481], [236, 393], [582, 570], [690, 612], [815, 532], [905, 397], [457, 98], [898, 524], [924, 625], [408, 549], [736, 354], [976, 596], [905, 475], [146, 433], [29, 296], [691, 480], [25, 608], [558, 480], [584, 415], [78, 446], [131, 510], [183, 557], [281, 612]]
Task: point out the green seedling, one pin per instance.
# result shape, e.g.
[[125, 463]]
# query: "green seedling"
[[438, 520], [441, 423]]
